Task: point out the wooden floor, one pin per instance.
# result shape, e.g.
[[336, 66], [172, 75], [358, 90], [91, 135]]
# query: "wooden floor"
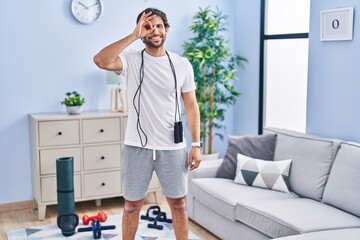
[[28, 217]]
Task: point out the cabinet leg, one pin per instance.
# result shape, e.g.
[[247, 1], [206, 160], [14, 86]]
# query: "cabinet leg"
[[158, 197], [98, 202], [41, 212], [35, 205]]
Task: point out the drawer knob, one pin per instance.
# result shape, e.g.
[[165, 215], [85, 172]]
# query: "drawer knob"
[[59, 133], [102, 158], [103, 184], [102, 130]]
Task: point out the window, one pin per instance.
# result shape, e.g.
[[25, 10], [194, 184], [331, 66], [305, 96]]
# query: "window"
[[284, 64]]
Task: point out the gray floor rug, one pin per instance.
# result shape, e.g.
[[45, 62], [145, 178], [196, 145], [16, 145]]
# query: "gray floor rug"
[[49, 232]]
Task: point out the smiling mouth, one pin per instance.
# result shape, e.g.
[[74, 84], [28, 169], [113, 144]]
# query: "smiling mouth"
[[156, 38]]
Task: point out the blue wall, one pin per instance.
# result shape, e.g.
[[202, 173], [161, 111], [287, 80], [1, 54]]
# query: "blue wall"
[[333, 77], [247, 42], [44, 53], [334, 82]]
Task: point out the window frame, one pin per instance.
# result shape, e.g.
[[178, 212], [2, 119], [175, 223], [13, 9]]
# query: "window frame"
[[263, 38]]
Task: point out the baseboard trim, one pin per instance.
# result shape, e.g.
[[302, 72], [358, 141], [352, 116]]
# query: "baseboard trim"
[[16, 206]]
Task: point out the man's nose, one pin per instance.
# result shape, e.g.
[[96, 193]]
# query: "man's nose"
[[156, 30]]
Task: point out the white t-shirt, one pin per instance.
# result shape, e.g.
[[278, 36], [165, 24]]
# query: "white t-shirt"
[[157, 101]]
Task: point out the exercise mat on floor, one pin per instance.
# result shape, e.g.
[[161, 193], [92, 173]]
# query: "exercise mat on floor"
[[47, 232]]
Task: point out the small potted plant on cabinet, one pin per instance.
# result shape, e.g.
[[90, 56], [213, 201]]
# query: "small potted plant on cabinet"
[[73, 102]]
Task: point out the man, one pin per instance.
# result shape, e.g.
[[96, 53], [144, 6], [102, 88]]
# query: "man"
[[153, 139]]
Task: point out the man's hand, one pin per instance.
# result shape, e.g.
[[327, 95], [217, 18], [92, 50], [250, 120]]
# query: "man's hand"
[[194, 158], [144, 26]]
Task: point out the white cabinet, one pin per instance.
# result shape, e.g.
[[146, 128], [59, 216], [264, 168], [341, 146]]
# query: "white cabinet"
[[94, 140]]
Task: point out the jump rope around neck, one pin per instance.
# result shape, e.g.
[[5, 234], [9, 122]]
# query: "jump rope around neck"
[[178, 127]]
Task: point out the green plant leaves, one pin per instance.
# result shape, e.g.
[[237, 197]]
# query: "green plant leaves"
[[73, 99], [214, 69]]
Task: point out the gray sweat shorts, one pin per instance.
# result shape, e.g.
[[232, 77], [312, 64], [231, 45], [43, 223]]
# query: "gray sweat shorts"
[[138, 164]]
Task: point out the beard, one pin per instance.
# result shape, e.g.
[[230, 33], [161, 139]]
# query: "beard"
[[149, 43]]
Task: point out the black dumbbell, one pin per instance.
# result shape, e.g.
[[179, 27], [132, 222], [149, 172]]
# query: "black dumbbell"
[[96, 229]]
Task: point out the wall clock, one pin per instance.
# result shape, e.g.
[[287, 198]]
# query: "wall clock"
[[86, 11]]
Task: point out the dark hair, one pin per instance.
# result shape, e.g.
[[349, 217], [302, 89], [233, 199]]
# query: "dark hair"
[[156, 12]]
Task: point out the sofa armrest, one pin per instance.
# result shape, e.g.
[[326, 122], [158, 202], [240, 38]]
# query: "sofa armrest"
[[207, 169]]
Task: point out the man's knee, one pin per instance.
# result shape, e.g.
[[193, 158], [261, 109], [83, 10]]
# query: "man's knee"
[[133, 206], [178, 204]]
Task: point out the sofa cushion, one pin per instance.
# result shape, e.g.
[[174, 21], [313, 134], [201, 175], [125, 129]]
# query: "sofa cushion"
[[261, 147], [338, 234], [254, 172], [343, 189], [222, 227], [312, 159], [285, 217], [222, 195]]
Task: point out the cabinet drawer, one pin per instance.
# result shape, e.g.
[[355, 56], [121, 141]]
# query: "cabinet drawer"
[[59, 133], [102, 184], [49, 188], [102, 157], [101, 130], [48, 159]]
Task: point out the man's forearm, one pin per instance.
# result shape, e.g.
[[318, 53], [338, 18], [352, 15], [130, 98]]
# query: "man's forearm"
[[108, 57], [192, 114], [193, 119]]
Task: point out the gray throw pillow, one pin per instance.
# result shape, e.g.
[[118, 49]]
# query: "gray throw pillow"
[[259, 146]]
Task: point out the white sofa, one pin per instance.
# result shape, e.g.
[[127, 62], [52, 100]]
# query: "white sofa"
[[323, 203]]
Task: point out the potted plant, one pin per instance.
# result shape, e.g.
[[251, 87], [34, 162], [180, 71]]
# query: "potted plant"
[[73, 102], [214, 71]]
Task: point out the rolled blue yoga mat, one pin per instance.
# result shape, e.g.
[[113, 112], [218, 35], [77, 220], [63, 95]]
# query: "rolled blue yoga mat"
[[67, 219]]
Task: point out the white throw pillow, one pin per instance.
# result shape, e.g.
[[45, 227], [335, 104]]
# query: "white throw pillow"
[[254, 172]]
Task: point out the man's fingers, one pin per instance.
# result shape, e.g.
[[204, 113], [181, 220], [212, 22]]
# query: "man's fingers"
[[146, 16], [145, 20], [193, 164], [150, 18], [148, 25]]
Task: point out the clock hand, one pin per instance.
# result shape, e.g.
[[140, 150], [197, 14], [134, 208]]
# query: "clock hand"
[[93, 5], [83, 5]]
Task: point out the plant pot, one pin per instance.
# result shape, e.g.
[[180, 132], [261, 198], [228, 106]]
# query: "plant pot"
[[74, 110], [212, 156]]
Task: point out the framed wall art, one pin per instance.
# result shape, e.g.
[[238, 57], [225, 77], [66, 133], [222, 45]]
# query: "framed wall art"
[[336, 24]]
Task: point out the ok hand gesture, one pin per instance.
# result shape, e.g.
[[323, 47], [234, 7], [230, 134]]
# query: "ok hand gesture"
[[144, 26]]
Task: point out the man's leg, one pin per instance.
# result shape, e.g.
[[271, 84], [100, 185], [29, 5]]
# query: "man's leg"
[[130, 220], [179, 217], [137, 169]]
